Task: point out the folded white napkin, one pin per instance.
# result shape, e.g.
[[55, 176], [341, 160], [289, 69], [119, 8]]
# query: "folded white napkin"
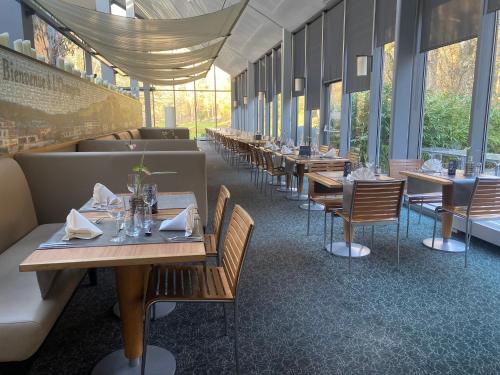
[[102, 196], [362, 174], [78, 226], [268, 145], [285, 150], [290, 143], [432, 165], [183, 221], [331, 153]]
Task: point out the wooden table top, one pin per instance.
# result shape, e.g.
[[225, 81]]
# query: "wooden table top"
[[334, 179], [115, 255], [313, 159], [436, 178]]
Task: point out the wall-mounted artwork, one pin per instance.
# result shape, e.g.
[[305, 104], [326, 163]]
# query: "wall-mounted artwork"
[[41, 105]]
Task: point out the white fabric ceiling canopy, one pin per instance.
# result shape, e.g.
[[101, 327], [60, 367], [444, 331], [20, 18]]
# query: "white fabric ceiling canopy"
[[172, 82], [164, 73]]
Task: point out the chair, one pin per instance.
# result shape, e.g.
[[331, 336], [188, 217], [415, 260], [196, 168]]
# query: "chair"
[[484, 204], [199, 284], [272, 170], [262, 167], [212, 239], [322, 195], [372, 203], [254, 162], [324, 149], [396, 166], [354, 157]]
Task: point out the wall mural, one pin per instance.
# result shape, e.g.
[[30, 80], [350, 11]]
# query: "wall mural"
[[41, 105]]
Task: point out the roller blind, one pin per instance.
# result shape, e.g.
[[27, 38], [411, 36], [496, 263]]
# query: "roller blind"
[[334, 44], [313, 81], [244, 86], [299, 57], [269, 78], [446, 22], [385, 21], [358, 41], [277, 71], [262, 74], [493, 5], [256, 77]]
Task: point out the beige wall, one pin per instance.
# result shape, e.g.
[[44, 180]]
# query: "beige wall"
[[41, 105]]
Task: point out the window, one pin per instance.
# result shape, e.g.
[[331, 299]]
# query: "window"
[[492, 164], [271, 120], [385, 116], [300, 118], [447, 101], [334, 114], [315, 121], [278, 115], [205, 103], [360, 108]]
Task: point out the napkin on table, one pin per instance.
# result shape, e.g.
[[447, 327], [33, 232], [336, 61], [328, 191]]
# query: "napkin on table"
[[362, 174], [285, 150], [78, 226], [332, 153], [290, 143], [183, 221], [432, 165], [102, 196]]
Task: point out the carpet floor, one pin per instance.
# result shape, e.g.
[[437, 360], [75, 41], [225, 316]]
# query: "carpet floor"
[[300, 310]]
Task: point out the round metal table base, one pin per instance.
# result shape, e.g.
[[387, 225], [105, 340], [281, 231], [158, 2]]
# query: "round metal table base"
[[341, 249], [295, 197], [283, 189], [161, 309], [449, 245], [314, 206], [159, 362]]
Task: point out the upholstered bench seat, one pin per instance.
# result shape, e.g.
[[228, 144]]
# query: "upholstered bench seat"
[[26, 318]]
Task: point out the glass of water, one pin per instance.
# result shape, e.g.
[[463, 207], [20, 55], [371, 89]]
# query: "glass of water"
[[116, 211], [133, 183], [149, 192]]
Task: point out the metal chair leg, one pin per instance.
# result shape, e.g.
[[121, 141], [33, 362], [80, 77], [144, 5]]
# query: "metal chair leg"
[[350, 245], [324, 231], [226, 319], [272, 186], [331, 228], [373, 235], [468, 231], [397, 242], [147, 321], [434, 229], [308, 214], [421, 209], [236, 318], [407, 218]]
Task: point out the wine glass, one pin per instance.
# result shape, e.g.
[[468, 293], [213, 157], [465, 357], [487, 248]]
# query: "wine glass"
[[149, 192], [116, 210], [133, 182]]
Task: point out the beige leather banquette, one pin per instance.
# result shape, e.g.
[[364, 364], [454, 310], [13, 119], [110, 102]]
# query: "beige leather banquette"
[[25, 317], [139, 145], [159, 133], [60, 181]]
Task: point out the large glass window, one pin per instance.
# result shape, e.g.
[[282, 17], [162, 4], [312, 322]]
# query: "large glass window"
[[278, 115], [205, 103], [334, 114], [315, 122], [271, 119], [360, 109], [385, 116], [448, 97], [493, 144], [300, 118]]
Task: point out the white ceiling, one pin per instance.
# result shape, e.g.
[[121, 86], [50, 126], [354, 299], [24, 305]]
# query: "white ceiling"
[[254, 34]]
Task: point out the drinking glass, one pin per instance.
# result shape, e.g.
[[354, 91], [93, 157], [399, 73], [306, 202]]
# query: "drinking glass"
[[116, 211], [149, 192], [133, 182]]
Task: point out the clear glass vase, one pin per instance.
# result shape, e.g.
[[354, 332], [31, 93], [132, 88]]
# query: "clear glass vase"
[[134, 220]]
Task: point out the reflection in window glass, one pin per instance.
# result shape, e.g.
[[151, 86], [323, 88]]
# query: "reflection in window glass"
[[185, 111], [223, 109], [360, 107], [205, 110], [160, 100], [278, 115], [122, 81], [333, 127], [448, 97], [385, 117], [300, 118], [315, 120], [493, 145]]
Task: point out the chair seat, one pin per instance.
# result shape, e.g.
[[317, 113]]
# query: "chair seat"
[[424, 197], [276, 172], [210, 245], [188, 283], [462, 212], [345, 215], [331, 200]]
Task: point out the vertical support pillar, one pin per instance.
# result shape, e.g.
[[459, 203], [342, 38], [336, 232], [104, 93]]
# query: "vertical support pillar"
[[251, 106], [147, 105], [88, 63], [16, 19], [307, 112], [375, 104], [288, 121], [108, 73], [323, 102], [483, 81], [130, 11]]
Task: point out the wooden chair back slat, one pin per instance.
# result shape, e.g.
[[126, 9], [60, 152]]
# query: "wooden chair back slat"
[[377, 200], [220, 209], [236, 243], [485, 199], [396, 166], [324, 149], [354, 157]]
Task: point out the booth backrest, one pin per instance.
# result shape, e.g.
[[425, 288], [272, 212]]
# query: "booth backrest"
[[159, 133], [123, 135], [109, 137], [135, 133], [17, 213], [61, 181], [140, 145]]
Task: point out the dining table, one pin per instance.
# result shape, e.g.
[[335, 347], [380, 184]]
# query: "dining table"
[[456, 191], [131, 263], [336, 180]]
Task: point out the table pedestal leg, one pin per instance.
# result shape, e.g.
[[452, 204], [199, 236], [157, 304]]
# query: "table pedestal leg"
[[161, 309], [342, 248], [446, 243], [130, 284], [300, 185]]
